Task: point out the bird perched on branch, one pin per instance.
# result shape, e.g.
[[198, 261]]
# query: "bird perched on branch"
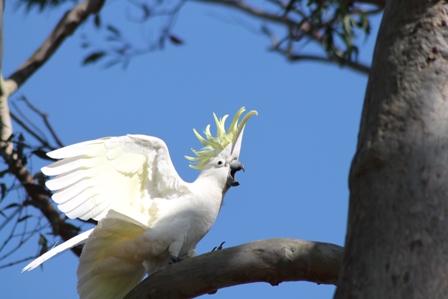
[[147, 215]]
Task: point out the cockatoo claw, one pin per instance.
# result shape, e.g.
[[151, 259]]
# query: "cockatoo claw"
[[219, 247], [175, 259]]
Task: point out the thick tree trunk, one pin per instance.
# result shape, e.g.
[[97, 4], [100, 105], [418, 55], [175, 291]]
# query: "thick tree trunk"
[[397, 244]]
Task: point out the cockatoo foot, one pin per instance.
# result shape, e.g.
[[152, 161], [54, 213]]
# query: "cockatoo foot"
[[175, 259], [219, 247]]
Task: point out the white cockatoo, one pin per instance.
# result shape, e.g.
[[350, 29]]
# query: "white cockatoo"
[[147, 215]]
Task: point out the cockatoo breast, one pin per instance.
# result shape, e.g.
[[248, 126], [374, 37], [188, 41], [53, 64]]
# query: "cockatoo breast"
[[188, 217]]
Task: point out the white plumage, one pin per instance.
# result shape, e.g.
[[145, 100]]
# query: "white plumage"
[[147, 214]]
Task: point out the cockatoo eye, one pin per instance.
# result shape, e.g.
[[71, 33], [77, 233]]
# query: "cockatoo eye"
[[220, 163]]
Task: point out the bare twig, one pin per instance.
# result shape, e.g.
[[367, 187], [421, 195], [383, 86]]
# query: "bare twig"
[[29, 130], [123, 51], [16, 262], [254, 12], [24, 236], [296, 30], [46, 122], [272, 261], [359, 67], [33, 131], [66, 26], [37, 194]]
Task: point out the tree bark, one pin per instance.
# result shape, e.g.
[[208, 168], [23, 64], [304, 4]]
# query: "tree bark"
[[397, 245], [272, 261]]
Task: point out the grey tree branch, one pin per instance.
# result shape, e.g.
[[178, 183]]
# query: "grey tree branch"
[[5, 120], [38, 195], [39, 198], [66, 26], [272, 261]]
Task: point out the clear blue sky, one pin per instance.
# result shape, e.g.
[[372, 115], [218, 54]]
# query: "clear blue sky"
[[297, 152]]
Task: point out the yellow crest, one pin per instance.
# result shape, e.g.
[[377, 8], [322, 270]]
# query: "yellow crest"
[[212, 146]]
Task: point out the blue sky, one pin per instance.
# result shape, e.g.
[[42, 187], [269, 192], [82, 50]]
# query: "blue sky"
[[297, 152]]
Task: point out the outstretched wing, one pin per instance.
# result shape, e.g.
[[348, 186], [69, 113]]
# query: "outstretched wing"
[[121, 173]]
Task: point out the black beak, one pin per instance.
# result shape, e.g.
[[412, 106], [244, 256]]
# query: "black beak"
[[234, 167]]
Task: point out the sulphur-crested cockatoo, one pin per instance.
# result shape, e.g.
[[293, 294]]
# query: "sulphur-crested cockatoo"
[[147, 215]]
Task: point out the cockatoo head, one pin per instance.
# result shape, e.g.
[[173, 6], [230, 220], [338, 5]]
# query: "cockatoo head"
[[219, 155]]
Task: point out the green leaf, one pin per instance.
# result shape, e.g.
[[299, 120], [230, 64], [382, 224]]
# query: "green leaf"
[[112, 38], [175, 40], [97, 21], [11, 206], [39, 4], [3, 190], [112, 63], [113, 30], [146, 11], [23, 218], [42, 240], [93, 57], [20, 147]]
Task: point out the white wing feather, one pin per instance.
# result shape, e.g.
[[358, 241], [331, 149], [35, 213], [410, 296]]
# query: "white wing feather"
[[79, 239], [120, 173]]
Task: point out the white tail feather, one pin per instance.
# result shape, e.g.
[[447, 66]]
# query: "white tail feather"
[[112, 261], [79, 239]]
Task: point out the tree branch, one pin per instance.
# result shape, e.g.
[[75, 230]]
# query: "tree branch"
[[379, 3], [272, 261], [39, 195], [356, 66], [39, 198], [66, 26], [5, 120], [44, 117], [254, 12], [306, 28]]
